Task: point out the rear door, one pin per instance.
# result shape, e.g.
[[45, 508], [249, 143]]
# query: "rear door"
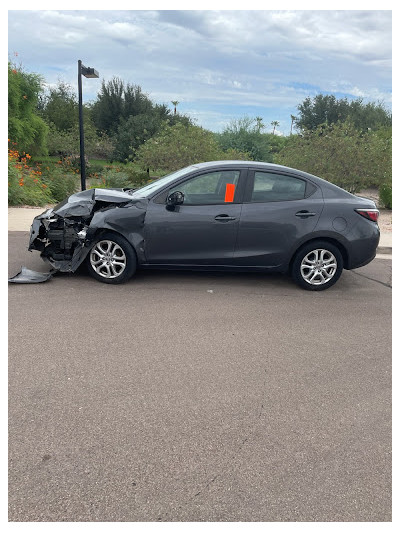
[[278, 211]]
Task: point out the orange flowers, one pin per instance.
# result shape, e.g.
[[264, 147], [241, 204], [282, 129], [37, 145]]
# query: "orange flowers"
[[20, 163]]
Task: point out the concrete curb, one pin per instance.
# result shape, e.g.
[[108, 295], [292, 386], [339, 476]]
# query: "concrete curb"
[[384, 250]]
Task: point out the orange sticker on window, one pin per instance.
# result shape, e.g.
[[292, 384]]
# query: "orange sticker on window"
[[229, 192]]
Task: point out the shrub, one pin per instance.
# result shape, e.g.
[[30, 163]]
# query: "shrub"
[[177, 146], [35, 184], [342, 155], [93, 169], [60, 183], [385, 195], [115, 178], [138, 178], [25, 186], [15, 190]]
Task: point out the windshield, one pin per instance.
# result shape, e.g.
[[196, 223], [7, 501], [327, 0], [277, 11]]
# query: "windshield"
[[146, 191]]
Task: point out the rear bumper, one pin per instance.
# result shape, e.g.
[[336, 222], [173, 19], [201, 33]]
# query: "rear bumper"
[[362, 251]]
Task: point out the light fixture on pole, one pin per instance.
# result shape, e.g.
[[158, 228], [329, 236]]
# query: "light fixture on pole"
[[88, 72]]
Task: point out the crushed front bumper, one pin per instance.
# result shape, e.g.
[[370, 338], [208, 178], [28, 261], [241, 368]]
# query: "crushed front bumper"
[[61, 241]]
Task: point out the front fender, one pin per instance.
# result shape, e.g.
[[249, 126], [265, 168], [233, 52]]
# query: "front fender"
[[126, 221]]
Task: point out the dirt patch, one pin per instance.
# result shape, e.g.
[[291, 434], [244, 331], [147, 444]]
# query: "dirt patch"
[[372, 194], [385, 215], [385, 220]]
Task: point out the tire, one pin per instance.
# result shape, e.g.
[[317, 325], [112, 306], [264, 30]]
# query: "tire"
[[111, 259], [317, 266]]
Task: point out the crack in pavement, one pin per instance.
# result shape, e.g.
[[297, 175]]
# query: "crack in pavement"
[[240, 446], [372, 279]]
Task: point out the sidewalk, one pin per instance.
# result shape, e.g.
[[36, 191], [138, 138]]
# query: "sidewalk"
[[20, 219]]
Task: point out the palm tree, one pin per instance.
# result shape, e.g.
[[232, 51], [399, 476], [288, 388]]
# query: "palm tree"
[[275, 124], [174, 103], [293, 117], [259, 125]]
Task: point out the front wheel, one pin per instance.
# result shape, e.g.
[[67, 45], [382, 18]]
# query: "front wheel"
[[317, 266], [111, 259]]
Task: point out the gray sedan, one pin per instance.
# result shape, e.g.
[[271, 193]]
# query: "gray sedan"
[[219, 215]]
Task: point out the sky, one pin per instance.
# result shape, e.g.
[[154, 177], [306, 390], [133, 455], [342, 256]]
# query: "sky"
[[220, 65]]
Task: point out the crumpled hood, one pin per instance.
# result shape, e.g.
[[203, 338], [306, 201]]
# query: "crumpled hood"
[[81, 203]]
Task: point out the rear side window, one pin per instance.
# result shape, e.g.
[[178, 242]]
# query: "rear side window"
[[270, 187]]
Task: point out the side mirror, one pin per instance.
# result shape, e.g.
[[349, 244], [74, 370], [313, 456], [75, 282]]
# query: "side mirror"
[[175, 198]]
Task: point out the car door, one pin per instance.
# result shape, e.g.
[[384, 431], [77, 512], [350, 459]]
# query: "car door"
[[279, 211], [201, 231]]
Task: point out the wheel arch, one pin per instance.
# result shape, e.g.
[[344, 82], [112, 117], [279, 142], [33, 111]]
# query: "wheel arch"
[[100, 231], [330, 240]]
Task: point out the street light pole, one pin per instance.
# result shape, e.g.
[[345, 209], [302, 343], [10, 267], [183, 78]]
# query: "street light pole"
[[81, 138], [88, 73]]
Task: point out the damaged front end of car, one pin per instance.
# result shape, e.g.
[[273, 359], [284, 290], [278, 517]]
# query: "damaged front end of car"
[[64, 234]]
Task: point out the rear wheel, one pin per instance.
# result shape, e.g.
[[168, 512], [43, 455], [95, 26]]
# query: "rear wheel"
[[111, 259], [317, 266]]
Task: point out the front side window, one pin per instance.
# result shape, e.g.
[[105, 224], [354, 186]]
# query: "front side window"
[[270, 187], [212, 188]]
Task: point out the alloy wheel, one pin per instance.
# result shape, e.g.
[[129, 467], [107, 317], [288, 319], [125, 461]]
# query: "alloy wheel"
[[318, 266], [108, 259]]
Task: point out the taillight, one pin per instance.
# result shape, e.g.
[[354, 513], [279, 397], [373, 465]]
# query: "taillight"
[[370, 214]]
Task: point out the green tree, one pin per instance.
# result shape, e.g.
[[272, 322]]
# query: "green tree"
[[174, 103], [259, 124], [116, 102], [133, 132], [341, 154], [59, 106], [293, 119], [275, 124], [326, 109], [136, 102], [66, 143], [275, 143], [25, 127], [180, 145], [108, 109], [136, 129], [244, 134]]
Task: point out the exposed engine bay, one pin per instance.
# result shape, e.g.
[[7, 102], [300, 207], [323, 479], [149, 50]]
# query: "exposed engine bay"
[[64, 234]]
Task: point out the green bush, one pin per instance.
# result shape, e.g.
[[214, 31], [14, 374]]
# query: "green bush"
[[61, 183], [178, 146], [114, 178], [94, 168], [341, 154], [26, 188], [385, 195], [138, 177]]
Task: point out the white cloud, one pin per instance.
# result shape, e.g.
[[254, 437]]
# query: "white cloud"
[[271, 59]]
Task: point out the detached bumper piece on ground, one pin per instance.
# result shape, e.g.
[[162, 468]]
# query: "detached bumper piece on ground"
[[30, 276]]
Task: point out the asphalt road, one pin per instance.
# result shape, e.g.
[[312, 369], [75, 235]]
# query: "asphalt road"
[[199, 397]]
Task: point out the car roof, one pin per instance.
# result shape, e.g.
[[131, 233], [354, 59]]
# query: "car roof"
[[248, 164]]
